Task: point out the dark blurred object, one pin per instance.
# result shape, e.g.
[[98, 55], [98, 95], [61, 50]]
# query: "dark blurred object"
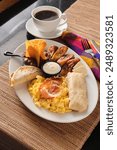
[[14, 9], [5, 4], [9, 143], [55, 3], [93, 142], [66, 4], [30, 61], [29, 36]]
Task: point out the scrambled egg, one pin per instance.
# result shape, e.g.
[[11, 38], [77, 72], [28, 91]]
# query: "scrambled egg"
[[59, 104]]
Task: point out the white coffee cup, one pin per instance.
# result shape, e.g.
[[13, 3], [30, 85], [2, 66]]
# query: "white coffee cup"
[[51, 25]]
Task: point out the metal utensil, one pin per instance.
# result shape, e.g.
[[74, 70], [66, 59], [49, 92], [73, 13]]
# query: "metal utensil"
[[27, 60], [11, 54]]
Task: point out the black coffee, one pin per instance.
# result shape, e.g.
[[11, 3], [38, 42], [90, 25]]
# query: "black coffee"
[[46, 15]]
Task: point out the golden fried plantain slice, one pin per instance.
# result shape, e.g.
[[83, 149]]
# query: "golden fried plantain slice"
[[51, 50], [64, 59], [59, 53]]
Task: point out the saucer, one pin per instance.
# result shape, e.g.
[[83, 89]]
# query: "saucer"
[[30, 27]]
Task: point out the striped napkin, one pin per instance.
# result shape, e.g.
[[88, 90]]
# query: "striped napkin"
[[87, 49]]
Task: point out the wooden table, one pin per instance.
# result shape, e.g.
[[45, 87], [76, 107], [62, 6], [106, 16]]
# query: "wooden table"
[[20, 127], [84, 18]]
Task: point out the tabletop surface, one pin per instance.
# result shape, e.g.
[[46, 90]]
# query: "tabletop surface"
[[84, 18], [33, 132]]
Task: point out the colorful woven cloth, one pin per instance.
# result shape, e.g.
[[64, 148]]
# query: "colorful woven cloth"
[[86, 49]]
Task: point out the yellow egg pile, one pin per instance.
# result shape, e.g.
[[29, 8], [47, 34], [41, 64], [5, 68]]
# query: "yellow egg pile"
[[59, 104]]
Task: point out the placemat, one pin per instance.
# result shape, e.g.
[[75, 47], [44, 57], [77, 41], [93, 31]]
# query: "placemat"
[[35, 132]]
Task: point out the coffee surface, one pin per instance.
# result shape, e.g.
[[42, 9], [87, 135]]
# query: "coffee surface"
[[46, 15]]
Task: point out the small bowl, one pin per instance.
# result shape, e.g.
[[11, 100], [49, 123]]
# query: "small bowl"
[[51, 68]]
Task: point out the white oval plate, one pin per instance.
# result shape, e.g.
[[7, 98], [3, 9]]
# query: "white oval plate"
[[26, 99]]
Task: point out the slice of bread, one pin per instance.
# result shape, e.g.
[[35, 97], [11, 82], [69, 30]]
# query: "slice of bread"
[[24, 74]]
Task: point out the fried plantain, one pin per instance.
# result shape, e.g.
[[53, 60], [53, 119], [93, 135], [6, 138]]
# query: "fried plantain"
[[59, 52]]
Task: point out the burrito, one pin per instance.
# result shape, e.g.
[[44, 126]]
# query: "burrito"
[[77, 91]]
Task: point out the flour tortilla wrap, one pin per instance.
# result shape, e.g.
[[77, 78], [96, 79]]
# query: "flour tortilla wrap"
[[24, 74], [77, 91]]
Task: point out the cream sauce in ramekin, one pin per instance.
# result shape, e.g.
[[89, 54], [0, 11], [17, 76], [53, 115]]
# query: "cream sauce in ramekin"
[[51, 68]]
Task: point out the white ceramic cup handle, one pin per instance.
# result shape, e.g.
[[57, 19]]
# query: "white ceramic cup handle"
[[63, 17]]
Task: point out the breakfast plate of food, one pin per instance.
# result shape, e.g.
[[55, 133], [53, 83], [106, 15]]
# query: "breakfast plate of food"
[[53, 81]]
